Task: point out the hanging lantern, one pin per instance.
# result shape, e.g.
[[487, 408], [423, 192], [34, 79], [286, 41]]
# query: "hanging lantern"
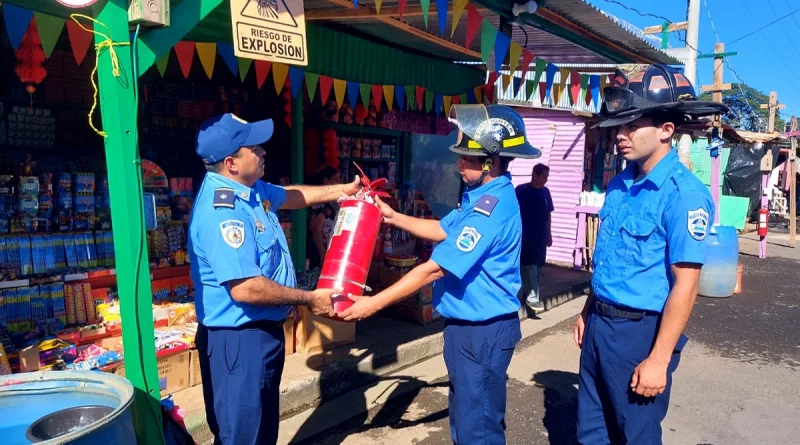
[[30, 56]]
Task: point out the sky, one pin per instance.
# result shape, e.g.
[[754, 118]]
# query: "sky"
[[767, 61]]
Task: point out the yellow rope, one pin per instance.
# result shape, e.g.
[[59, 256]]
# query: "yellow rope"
[[106, 44]]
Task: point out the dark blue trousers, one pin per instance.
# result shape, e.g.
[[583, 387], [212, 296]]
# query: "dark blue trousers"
[[477, 356], [609, 412], [241, 370]]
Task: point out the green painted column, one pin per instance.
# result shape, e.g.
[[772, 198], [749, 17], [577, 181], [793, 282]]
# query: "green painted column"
[[118, 105], [299, 219]]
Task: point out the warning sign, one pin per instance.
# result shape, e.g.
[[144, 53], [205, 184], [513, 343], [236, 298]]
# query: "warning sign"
[[271, 30]]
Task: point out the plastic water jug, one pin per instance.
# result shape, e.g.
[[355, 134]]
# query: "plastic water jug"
[[719, 273]]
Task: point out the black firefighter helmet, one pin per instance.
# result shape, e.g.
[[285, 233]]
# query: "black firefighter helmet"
[[494, 130], [638, 90]]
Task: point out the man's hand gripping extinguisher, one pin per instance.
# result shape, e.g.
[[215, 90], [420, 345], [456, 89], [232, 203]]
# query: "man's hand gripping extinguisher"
[[352, 243]]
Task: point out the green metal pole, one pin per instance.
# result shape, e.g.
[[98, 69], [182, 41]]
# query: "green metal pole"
[[299, 220], [118, 107]]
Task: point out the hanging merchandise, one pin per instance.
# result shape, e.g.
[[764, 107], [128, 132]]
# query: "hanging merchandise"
[[30, 56]]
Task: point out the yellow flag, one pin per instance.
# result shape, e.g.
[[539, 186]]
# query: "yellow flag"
[[458, 8], [514, 53], [478, 94], [378, 6], [506, 82], [447, 100], [339, 88], [279, 73], [388, 94], [207, 52]]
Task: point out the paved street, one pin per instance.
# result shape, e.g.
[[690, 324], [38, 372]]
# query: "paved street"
[[737, 382]]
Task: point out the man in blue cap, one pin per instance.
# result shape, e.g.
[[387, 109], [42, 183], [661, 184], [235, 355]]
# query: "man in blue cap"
[[476, 270], [244, 278], [650, 249]]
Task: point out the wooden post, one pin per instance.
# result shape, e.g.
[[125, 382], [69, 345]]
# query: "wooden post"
[[773, 107], [793, 186], [717, 88], [118, 110]]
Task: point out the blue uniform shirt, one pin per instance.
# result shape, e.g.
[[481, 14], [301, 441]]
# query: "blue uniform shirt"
[[647, 226], [480, 255], [234, 233]]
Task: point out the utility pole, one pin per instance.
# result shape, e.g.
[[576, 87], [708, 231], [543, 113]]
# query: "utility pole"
[[692, 38], [773, 107], [717, 88], [766, 161], [793, 185]]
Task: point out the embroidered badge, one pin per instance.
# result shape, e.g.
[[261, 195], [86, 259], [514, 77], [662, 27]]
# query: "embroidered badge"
[[697, 223], [266, 204], [468, 238], [232, 232], [259, 226]]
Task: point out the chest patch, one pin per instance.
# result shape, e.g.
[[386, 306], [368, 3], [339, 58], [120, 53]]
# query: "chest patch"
[[232, 232], [468, 239], [697, 223], [486, 204]]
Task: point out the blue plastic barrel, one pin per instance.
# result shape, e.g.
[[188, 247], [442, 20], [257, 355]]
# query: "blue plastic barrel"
[[719, 273], [66, 407]]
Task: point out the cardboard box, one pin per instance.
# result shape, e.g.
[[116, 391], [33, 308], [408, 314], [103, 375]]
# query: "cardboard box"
[[314, 334], [195, 376], [173, 372], [288, 332], [29, 360]]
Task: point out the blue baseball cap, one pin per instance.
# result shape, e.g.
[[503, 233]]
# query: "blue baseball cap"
[[221, 136]]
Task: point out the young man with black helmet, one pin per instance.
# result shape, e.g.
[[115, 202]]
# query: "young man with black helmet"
[[476, 270], [650, 248]]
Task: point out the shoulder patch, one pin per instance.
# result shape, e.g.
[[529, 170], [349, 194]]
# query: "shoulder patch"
[[223, 197], [232, 232], [697, 223], [468, 239], [486, 204]]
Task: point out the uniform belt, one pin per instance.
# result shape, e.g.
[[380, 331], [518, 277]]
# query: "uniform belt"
[[616, 311], [256, 324], [457, 322]]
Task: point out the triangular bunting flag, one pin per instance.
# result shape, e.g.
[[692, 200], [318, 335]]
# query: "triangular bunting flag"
[[557, 90], [411, 96], [612, 79], [437, 100], [517, 85], [226, 52], [550, 78], [185, 52], [378, 4], [574, 87], [514, 52], [541, 65], [296, 76], [488, 92], [488, 36], [81, 40], [420, 95], [244, 67], [426, 7], [312, 79], [562, 83], [463, 99], [400, 8], [262, 70], [447, 100], [501, 45], [527, 58], [207, 52], [530, 87], [340, 89], [473, 24], [429, 96], [325, 85], [458, 9], [456, 100], [17, 22], [479, 95], [49, 28], [542, 92], [279, 73], [594, 86], [365, 89], [400, 95], [377, 96], [587, 98], [471, 99], [506, 82], [388, 93], [441, 11], [162, 63], [352, 94], [493, 76]]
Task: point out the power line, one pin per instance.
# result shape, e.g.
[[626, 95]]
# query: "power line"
[[765, 26], [660, 17], [783, 28], [793, 17]]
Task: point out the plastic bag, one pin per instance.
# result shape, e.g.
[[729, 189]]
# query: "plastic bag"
[[743, 176]]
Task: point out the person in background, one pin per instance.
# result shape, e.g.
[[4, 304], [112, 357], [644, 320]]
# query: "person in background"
[[650, 249], [244, 278], [321, 219], [536, 207]]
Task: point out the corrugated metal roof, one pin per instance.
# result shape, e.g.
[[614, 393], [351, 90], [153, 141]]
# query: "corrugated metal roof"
[[609, 27], [563, 102]]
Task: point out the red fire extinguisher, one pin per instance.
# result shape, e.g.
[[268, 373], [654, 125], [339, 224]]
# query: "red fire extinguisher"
[[763, 217], [352, 243]]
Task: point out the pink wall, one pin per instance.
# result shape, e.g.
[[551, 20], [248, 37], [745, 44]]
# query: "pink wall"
[[561, 137]]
